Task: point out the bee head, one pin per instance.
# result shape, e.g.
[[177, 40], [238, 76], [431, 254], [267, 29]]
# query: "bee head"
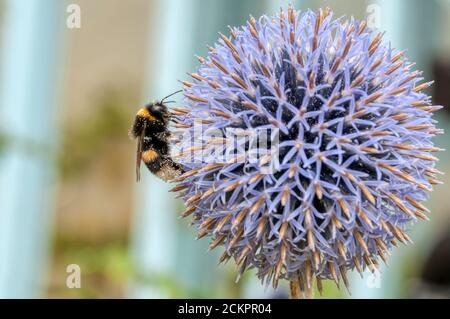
[[159, 111]]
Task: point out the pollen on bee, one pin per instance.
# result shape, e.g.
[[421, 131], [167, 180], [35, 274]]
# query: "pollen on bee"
[[149, 156], [145, 113]]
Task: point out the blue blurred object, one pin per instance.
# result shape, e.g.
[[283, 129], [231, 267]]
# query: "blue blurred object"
[[27, 170]]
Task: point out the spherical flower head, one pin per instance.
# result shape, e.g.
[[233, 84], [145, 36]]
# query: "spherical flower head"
[[348, 161]]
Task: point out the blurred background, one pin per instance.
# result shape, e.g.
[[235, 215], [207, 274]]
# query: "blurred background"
[[72, 76]]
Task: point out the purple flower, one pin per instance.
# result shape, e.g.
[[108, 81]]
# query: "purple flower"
[[352, 161]]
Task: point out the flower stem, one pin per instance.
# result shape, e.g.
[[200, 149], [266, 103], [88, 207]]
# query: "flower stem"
[[294, 289], [297, 293]]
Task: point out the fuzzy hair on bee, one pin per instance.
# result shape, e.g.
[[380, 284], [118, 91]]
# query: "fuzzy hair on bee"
[[150, 128]]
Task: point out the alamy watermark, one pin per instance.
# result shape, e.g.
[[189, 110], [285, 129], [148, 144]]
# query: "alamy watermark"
[[373, 281], [258, 146], [73, 20], [73, 279], [373, 16]]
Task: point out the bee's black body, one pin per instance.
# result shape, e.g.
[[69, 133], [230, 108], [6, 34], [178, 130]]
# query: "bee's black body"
[[150, 127]]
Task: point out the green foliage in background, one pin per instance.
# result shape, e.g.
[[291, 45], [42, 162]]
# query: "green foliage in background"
[[108, 122], [105, 267], [3, 141]]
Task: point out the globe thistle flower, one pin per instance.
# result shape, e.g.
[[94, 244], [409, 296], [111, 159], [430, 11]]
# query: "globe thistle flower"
[[353, 161]]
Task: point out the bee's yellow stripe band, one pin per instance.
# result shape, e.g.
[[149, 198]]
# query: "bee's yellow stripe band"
[[149, 156]]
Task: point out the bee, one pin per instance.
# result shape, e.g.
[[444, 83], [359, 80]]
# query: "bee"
[[150, 128]]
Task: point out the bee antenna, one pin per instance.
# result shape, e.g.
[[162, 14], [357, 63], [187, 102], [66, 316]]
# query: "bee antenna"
[[169, 102], [162, 101]]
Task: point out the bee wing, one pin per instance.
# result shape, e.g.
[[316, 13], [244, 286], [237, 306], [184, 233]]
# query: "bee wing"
[[139, 153]]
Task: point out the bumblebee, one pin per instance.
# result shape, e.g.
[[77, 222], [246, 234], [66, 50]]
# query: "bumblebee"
[[150, 128]]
